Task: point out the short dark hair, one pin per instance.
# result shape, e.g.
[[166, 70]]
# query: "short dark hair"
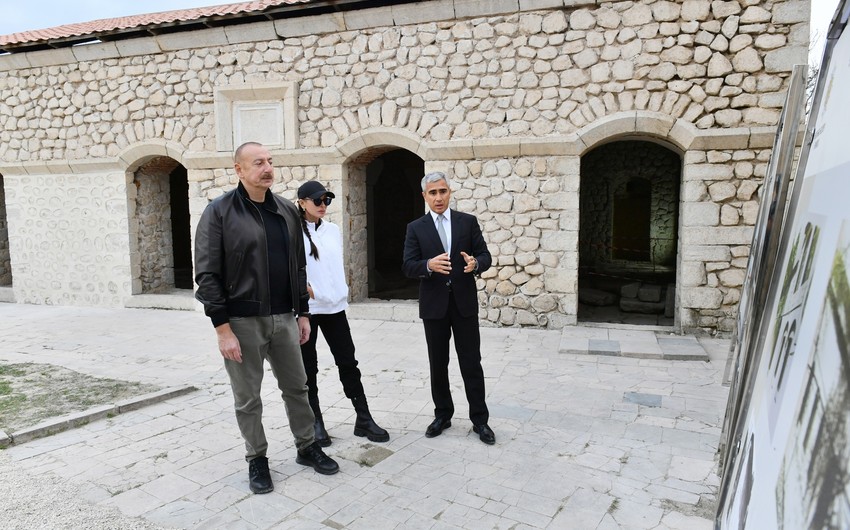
[[243, 146]]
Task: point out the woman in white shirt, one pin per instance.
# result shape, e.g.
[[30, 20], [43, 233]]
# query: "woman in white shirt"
[[328, 300]]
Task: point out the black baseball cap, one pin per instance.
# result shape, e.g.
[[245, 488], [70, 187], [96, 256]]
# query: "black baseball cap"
[[313, 189]]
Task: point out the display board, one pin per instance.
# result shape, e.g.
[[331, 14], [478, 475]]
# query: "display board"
[[764, 251], [788, 462]]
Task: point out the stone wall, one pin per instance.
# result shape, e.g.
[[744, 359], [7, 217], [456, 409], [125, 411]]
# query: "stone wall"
[[5, 262], [527, 208], [69, 238], [717, 231], [715, 64], [507, 95], [153, 216], [606, 172]]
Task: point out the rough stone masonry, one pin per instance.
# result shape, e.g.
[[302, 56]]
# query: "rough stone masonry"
[[507, 95]]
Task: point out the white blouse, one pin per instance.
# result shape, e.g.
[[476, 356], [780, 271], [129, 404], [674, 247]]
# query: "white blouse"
[[326, 275]]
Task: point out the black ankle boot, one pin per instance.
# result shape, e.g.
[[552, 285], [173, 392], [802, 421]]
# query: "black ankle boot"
[[364, 425], [320, 435]]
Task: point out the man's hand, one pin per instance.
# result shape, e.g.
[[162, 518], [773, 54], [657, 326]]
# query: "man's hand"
[[303, 329], [228, 344], [441, 264], [471, 263]]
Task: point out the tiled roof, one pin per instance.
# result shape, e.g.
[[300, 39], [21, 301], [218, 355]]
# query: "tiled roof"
[[108, 25]]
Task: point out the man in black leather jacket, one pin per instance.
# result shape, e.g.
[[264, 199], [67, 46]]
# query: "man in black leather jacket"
[[252, 280]]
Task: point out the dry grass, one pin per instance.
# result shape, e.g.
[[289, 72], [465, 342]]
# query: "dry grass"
[[31, 393]]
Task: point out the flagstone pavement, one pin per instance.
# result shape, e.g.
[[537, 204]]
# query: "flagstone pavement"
[[584, 440]]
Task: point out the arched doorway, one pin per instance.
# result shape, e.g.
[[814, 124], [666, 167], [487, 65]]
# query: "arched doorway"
[[5, 256], [163, 238], [629, 200], [385, 195]]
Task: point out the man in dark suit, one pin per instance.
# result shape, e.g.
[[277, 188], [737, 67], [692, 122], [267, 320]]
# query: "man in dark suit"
[[445, 250]]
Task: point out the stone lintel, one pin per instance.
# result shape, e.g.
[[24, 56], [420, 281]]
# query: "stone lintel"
[[683, 134], [254, 32], [313, 25], [59, 167], [309, 157], [738, 138], [208, 160], [529, 5], [93, 165], [481, 8], [419, 12], [141, 46], [379, 136], [578, 144], [654, 123], [51, 57], [762, 137], [192, 39], [495, 147], [93, 52], [16, 169], [353, 145], [131, 156], [283, 157], [36, 168], [451, 150], [546, 146], [14, 61], [608, 127], [367, 18], [175, 151]]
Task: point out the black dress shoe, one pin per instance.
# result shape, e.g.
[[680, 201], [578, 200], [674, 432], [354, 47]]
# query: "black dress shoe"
[[485, 433], [313, 456], [437, 426], [259, 478]]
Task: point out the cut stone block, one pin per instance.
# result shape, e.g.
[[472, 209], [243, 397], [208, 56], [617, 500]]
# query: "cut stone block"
[[603, 347], [596, 297], [649, 293], [630, 290], [637, 306]]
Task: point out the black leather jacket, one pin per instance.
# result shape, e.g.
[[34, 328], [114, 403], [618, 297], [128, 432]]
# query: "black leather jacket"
[[231, 258]]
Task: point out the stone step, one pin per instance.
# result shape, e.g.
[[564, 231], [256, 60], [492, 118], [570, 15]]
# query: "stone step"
[[643, 344]]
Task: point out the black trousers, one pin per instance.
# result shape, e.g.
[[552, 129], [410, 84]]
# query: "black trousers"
[[438, 332], [337, 334]]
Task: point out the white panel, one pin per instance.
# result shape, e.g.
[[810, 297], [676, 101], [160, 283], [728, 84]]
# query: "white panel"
[[258, 122]]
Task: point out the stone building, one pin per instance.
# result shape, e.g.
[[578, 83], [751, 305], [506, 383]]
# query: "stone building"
[[608, 147]]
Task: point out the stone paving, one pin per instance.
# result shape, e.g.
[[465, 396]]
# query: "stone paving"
[[583, 441]]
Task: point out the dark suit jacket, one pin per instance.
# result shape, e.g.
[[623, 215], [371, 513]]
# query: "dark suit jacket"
[[422, 243]]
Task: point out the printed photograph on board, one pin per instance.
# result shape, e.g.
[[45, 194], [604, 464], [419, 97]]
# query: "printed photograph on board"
[[813, 490], [794, 291]]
